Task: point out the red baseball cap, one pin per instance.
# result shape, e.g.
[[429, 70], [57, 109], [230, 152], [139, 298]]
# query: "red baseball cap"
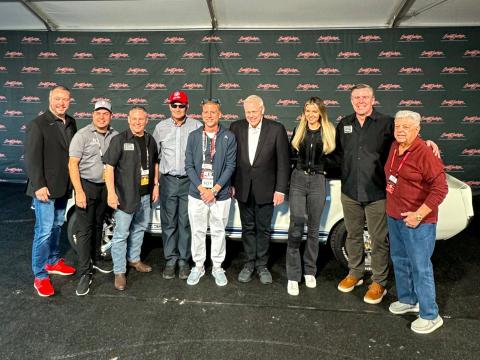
[[178, 97]]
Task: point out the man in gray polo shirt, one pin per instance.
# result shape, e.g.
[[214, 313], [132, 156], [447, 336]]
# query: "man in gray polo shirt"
[[87, 175], [171, 136]]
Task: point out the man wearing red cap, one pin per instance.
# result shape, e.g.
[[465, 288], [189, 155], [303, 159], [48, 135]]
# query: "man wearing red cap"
[[171, 136]]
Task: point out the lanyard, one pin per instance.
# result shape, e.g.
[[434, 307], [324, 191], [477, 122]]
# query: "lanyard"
[[401, 162], [212, 145], [146, 150], [97, 140], [148, 165]]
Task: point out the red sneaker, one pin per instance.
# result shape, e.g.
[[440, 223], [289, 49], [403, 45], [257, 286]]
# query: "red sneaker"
[[60, 268], [44, 287]]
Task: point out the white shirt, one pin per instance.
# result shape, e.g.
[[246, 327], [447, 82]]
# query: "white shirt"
[[253, 136]]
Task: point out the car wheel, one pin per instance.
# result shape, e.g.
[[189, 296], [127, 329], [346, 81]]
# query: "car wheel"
[[107, 233], [338, 236]]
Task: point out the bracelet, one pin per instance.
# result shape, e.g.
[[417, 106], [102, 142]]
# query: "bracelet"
[[214, 192]]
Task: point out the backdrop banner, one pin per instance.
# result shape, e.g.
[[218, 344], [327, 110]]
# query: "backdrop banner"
[[435, 72]]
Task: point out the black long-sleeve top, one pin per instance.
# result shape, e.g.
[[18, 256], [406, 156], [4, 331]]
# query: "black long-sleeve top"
[[310, 156]]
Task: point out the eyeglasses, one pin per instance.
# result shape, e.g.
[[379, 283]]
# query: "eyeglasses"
[[177, 106], [211, 100]]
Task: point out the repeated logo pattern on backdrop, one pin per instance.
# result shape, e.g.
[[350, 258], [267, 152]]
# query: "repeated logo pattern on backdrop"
[[433, 71]]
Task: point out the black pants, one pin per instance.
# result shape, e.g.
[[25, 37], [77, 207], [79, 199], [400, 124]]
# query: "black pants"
[[90, 225], [306, 200], [256, 228]]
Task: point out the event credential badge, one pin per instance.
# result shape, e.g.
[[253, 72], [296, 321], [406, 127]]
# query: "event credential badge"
[[207, 176], [144, 177]]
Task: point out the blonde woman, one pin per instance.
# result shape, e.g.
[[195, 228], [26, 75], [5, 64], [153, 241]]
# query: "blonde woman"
[[313, 139]]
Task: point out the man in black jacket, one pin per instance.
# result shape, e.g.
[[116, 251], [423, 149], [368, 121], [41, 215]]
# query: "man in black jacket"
[[46, 157], [260, 182]]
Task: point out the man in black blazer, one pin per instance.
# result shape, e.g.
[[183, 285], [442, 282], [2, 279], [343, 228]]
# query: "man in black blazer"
[[46, 157], [260, 182]]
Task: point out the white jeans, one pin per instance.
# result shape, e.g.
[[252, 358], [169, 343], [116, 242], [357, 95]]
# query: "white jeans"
[[201, 215]]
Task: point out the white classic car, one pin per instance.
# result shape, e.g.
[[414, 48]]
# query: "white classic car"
[[455, 213]]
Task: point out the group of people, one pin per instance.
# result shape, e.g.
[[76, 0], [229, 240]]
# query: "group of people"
[[392, 180]]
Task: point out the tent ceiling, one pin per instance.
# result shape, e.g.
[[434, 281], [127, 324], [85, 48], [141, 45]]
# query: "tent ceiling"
[[121, 15]]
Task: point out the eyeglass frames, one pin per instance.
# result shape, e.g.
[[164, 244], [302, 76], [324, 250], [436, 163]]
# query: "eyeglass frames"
[[211, 100]]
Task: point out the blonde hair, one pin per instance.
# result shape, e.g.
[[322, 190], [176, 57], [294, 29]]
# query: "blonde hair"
[[328, 130]]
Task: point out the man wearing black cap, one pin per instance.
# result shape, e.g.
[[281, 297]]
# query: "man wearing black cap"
[[87, 175], [171, 136]]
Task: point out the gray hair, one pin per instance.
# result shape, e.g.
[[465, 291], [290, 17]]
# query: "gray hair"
[[407, 114], [59, 87], [254, 99]]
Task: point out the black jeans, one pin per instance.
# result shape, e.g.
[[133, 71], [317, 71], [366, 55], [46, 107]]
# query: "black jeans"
[[89, 225], [256, 229], [307, 200]]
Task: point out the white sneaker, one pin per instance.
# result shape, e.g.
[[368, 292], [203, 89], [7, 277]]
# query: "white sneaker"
[[422, 326], [219, 275], [195, 275], [310, 281], [292, 288], [399, 308]]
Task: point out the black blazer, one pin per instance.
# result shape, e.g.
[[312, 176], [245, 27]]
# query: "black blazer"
[[271, 167], [46, 155]]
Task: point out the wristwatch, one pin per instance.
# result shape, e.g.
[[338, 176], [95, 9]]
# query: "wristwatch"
[[214, 192], [418, 217]]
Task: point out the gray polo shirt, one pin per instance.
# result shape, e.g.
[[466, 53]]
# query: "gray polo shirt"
[[172, 142], [89, 146]]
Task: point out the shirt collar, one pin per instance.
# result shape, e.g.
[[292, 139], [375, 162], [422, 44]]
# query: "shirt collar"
[[92, 128], [181, 124], [259, 126]]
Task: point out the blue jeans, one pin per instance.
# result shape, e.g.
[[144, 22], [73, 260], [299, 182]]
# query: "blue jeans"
[[128, 234], [49, 218], [411, 250]]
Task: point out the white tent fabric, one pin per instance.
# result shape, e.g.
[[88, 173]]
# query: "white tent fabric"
[[144, 15]]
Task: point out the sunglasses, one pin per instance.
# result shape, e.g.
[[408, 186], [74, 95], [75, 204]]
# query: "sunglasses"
[[211, 100], [176, 106]]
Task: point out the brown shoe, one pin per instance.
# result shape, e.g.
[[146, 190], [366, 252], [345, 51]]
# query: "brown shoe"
[[349, 283], [375, 294], [120, 282], [140, 267]]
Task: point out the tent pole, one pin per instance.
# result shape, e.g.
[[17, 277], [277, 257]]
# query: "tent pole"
[[35, 10]]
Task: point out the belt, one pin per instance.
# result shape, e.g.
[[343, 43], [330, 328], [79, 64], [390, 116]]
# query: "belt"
[[178, 176], [312, 172]]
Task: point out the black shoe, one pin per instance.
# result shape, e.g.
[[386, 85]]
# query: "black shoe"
[[83, 286], [183, 271], [265, 276], [246, 274], [169, 272], [103, 266]]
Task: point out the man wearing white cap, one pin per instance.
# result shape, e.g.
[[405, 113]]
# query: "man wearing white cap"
[[171, 137], [87, 175]]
